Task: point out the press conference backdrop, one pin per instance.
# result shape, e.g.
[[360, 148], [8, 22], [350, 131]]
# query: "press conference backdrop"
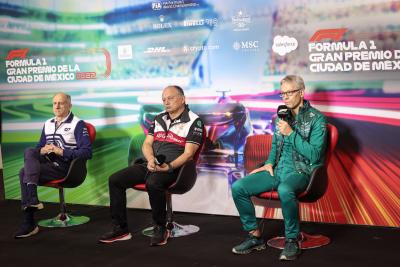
[[115, 57]]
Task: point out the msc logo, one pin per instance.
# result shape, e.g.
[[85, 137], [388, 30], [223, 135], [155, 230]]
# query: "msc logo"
[[246, 45], [156, 5]]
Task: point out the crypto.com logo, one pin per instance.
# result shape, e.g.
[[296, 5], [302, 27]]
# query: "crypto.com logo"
[[329, 34], [284, 45]]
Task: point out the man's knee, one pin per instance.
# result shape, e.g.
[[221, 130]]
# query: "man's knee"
[[238, 189], [153, 184], [114, 180], [31, 153], [286, 193], [21, 174]]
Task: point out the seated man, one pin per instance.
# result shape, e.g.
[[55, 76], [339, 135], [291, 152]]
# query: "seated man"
[[174, 137], [63, 138], [298, 147]]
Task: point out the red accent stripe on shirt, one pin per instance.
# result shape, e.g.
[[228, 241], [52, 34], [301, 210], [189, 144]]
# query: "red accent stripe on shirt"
[[170, 138]]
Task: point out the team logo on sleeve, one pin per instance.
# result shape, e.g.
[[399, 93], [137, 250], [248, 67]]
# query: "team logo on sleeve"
[[198, 128]]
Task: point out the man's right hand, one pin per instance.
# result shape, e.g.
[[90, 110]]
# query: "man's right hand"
[[46, 149], [151, 165], [266, 167]]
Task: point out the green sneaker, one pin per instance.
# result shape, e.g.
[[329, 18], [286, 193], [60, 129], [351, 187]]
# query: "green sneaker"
[[251, 243], [290, 251]]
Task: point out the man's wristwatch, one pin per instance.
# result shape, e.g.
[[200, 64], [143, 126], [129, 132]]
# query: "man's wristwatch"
[[170, 169]]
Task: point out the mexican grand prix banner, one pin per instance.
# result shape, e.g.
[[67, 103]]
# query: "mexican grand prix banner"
[[115, 58]]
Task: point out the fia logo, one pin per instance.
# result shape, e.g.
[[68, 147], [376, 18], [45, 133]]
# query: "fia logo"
[[67, 129], [156, 5]]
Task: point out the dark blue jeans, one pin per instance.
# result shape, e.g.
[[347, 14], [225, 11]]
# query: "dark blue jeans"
[[37, 170]]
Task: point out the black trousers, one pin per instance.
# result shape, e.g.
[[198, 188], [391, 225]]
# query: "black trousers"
[[156, 184]]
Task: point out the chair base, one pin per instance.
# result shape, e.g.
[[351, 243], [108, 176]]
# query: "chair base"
[[307, 241], [64, 220], [178, 230]]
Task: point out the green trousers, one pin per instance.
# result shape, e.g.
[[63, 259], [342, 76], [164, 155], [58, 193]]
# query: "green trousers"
[[288, 185]]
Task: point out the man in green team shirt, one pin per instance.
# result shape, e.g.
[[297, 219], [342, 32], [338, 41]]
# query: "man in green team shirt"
[[298, 147]]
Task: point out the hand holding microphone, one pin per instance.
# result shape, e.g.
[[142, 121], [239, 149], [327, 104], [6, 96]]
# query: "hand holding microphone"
[[283, 126], [159, 159], [283, 112], [157, 163]]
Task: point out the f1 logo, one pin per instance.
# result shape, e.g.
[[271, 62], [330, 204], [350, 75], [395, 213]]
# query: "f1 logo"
[[333, 34], [17, 53]]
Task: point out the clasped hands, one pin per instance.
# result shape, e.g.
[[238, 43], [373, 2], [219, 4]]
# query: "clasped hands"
[[48, 148], [153, 167]]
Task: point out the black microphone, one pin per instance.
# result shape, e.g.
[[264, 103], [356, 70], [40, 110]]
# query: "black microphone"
[[159, 159], [51, 156], [283, 112]]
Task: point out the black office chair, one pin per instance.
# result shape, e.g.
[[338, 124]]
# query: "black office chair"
[[185, 181]]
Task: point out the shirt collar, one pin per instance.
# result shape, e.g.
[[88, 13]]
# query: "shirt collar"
[[66, 119]]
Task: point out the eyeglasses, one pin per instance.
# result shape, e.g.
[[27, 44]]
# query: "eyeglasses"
[[288, 93]]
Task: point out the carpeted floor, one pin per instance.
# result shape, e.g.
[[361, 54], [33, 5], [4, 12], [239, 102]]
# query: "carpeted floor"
[[77, 246]]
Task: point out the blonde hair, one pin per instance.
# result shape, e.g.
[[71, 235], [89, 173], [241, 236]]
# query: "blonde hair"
[[296, 80]]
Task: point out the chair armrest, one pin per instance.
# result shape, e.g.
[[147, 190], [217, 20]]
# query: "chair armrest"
[[186, 178], [76, 173], [317, 185], [137, 161]]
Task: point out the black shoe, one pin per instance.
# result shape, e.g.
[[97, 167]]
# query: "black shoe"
[[290, 251], [251, 243], [26, 230], [33, 200], [160, 236], [117, 234]]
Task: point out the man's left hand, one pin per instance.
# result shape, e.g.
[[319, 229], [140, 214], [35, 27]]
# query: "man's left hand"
[[58, 150], [162, 168], [284, 128]]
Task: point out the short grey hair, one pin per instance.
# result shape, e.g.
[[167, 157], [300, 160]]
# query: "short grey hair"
[[178, 88], [66, 95], [296, 80]]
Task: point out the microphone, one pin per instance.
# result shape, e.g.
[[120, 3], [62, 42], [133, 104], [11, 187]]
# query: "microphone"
[[159, 159], [283, 112], [51, 156]]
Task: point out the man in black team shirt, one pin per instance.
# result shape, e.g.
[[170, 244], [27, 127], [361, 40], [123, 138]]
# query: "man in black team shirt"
[[176, 134]]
